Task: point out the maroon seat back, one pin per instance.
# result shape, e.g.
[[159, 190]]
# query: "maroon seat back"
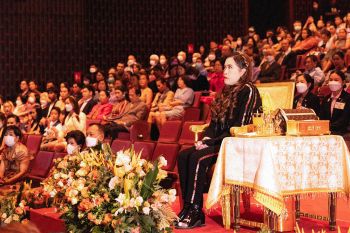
[[170, 131], [192, 114], [119, 144], [41, 164], [33, 143], [169, 151], [147, 149], [187, 136], [137, 129], [197, 99], [90, 121]]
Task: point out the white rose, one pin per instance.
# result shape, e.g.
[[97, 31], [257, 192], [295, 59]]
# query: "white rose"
[[56, 176], [112, 183], [121, 198], [74, 201], [119, 211], [127, 167], [139, 201], [164, 198], [122, 159], [8, 220], [146, 210], [53, 193], [4, 215], [80, 186], [60, 183], [162, 161], [15, 218], [132, 203]]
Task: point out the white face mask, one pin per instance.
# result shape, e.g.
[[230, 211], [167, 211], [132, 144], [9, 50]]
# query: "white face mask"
[[69, 107], [297, 28], [71, 149], [43, 103], [180, 58], [270, 58], [31, 99], [232, 72], [18, 103], [162, 61], [152, 62], [131, 62], [9, 140], [301, 87], [211, 57], [334, 85], [90, 141], [92, 70]]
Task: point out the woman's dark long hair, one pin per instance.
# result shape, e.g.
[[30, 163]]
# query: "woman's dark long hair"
[[76, 108]]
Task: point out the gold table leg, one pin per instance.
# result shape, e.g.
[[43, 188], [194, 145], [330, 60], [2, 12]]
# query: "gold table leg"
[[226, 211], [236, 209], [332, 206], [297, 207]]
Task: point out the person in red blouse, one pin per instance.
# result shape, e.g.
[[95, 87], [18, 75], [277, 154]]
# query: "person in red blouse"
[[103, 108]]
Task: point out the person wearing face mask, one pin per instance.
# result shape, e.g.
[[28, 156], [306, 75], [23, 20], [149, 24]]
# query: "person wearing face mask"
[[74, 119], [270, 70], [233, 107], [75, 142], [336, 106], [21, 106], [8, 108], [44, 104], [131, 60], [15, 159], [32, 101], [304, 98], [94, 140], [297, 30], [163, 61]]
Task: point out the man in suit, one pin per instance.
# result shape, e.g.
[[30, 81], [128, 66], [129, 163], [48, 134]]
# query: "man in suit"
[[336, 107], [286, 57], [137, 110], [270, 70], [87, 102]]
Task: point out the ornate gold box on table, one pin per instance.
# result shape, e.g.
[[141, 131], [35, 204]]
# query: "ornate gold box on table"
[[307, 127]]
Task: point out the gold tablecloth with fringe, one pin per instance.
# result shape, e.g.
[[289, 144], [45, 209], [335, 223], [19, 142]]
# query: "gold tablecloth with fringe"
[[280, 166]]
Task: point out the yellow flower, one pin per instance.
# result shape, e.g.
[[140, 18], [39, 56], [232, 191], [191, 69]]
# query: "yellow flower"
[[85, 192], [128, 184], [161, 174]]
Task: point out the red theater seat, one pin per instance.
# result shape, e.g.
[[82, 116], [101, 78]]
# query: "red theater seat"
[[192, 114], [197, 99], [170, 131], [40, 165], [119, 144], [169, 151], [147, 149], [33, 143]]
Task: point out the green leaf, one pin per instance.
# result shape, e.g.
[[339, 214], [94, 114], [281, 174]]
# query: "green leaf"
[[148, 183]]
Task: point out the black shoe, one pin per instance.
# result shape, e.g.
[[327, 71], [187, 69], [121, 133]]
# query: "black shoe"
[[183, 212], [194, 218]]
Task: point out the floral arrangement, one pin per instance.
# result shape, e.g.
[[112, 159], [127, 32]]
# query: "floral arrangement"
[[106, 192]]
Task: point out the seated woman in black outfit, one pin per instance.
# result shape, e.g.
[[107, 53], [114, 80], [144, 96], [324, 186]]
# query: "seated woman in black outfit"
[[303, 96], [233, 107], [336, 106]]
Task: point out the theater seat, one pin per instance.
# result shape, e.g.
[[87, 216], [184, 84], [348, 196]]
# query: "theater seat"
[[192, 114], [59, 155], [147, 149], [169, 151], [187, 136], [40, 165], [197, 99], [119, 144], [170, 131], [33, 143], [138, 129]]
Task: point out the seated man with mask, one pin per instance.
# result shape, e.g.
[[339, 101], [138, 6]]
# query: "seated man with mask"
[[15, 159], [94, 140]]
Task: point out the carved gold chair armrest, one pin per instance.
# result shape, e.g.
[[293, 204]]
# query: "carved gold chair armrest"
[[196, 129]]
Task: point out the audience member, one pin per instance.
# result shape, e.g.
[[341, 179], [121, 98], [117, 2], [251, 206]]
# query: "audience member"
[[102, 109]]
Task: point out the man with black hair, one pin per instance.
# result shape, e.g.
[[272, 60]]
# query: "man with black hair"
[[15, 159], [87, 101], [13, 120]]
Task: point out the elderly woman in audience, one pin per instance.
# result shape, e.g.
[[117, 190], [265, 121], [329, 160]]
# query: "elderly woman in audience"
[[161, 102], [15, 159], [75, 141], [103, 108], [336, 106], [8, 108], [146, 92], [136, 110], [183, 98], [120, 107], [304, 98]]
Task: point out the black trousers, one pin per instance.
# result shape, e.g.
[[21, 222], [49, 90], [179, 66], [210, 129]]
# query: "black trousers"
[[112, 130], [193, 166]]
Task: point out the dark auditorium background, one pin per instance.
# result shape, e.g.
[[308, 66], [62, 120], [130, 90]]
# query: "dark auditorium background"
[[49, 40]]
